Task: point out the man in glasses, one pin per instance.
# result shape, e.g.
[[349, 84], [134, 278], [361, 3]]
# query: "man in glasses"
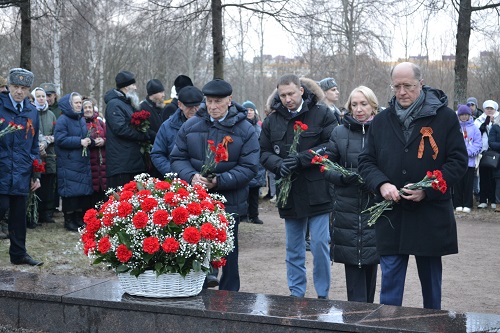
[[472, 103], [417, 133]]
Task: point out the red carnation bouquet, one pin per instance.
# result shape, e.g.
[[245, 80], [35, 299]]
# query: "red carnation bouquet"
[[32, 201], [140, 121], [285, 183], [166, 226], [11, 127], [214, 155], [432, 179]]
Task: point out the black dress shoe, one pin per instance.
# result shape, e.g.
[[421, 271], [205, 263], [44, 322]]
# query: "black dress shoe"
[[211, 281], [26, 260]]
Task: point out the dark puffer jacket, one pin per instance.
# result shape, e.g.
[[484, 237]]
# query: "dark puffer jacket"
[[494, 144], [123, 142], [309, 195], [233, 176], [353, 242], [19, 149], [260, 179], [73, 170], [97, 129]]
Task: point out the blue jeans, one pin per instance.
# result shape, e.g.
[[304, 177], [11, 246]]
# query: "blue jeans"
[[296, 254], [430, 273]]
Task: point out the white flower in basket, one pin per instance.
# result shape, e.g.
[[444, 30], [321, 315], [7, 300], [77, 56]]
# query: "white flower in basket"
[[154, 230]]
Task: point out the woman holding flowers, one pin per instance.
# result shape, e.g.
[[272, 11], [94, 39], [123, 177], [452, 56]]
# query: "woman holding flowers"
[[353, 242], [74, 178], [416, 135]]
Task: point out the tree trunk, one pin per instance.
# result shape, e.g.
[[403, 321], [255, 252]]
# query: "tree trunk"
[[25, 8], [217, 39], [462, 52], [56, 45]]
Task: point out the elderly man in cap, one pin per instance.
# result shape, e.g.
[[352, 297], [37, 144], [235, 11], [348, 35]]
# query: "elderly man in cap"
[[332, 93], [180, 82], [124, 159], [189, 101], [19, 149], [220, 120], [51, 93]]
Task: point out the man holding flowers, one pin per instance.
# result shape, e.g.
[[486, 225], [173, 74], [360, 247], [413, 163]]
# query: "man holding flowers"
[[416, 135], [308, 200], [219, 130], [19, 150]]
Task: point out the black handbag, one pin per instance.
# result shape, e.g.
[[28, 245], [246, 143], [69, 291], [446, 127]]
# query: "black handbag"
[[489, 159]]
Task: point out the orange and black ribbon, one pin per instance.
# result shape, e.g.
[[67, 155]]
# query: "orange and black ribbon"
[[29, 126], [427, 132]]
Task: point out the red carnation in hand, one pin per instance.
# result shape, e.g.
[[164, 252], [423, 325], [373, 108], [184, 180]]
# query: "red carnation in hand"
[[104, 245], [151, 245], [140, 220], [191, 235], [123, 253], [180, 215], [170, 245]]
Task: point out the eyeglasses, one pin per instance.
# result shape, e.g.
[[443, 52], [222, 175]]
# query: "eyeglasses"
[[406, 87]]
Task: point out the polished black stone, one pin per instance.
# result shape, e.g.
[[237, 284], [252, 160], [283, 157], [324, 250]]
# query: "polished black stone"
[[67, 303]]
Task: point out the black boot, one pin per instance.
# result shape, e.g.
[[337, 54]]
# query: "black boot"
[[79, 219], [69, 222], [46, 217], [31, 223]]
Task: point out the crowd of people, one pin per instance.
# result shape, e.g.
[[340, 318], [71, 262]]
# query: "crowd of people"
[[383, 150]]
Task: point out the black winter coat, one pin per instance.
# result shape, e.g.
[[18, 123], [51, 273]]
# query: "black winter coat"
[[123, 141], [353, 242], [309, 195], [233, 176], [428, 227]]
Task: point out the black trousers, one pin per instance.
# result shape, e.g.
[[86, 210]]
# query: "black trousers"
[[462, 191], [486, 185], [230, 279], [361, 282], [16, 204], [47, 192], [253, 202]]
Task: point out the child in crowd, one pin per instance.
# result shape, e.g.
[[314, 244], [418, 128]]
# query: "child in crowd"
[[462, 192]]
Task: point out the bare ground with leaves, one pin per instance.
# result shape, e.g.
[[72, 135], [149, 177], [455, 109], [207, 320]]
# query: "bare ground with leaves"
[[470, 278]]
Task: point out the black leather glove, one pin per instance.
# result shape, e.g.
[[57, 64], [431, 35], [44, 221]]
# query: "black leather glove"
[[289, 164], [150, 135], [348, 180]]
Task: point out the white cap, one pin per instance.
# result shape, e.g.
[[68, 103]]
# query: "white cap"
[[490, 104]]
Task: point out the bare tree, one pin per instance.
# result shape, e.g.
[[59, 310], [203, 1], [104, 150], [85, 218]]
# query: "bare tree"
[[25, 13], [465, 10]]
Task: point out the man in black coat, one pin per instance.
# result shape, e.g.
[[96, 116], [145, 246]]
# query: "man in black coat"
[[154, 104], [309, 200], [124, 159], [416, 134]]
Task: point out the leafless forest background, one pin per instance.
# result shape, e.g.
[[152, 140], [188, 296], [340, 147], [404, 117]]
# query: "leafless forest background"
[[82, 44]]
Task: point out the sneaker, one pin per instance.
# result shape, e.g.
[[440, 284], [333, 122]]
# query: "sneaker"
[[494, 206], [459, 209], [273, 199], [256, 220], [482, 205], [466, 210]]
